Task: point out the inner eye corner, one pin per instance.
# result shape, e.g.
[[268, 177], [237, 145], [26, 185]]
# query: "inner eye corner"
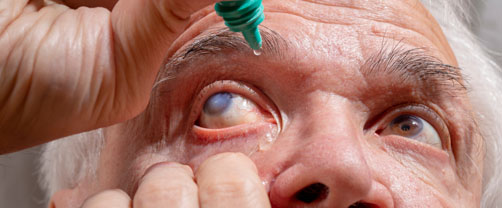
[[374, 125], [379, 131]]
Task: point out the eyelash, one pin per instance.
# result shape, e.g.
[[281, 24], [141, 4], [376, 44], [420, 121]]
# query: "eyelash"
[[421, 111]]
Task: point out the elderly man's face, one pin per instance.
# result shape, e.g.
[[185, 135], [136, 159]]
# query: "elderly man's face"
[[356, 95]]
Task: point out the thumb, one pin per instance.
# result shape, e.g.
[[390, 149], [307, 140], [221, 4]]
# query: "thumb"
[[143, 32]]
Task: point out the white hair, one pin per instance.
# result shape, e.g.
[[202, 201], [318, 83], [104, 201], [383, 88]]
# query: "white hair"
[[66, 161], [484, 80]]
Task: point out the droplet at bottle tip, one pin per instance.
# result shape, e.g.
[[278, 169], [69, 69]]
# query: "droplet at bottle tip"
[[243, 16], [257, 52]]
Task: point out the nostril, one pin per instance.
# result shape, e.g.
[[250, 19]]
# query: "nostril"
[[313, 192], [362, 205]]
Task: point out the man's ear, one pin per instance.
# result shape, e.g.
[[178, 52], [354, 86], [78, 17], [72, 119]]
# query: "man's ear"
[[62, 199]]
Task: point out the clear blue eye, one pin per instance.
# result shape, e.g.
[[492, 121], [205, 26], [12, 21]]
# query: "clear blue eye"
[[225, 109], [415, 128], [218, 103]]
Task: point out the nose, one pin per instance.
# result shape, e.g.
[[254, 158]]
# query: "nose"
[[328, 168]]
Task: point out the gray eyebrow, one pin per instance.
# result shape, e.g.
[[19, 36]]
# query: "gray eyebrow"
[[218, 40], [416, 65], [222, 38]]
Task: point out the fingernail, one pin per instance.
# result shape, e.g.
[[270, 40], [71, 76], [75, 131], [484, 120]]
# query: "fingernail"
[[156, 165]]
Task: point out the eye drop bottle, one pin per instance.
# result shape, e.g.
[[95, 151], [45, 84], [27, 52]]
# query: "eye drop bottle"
[[243, 16]]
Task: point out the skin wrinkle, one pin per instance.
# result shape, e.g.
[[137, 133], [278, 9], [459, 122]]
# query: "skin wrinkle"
[[46, 43], [4, 25], [47, 30], [348, 20], [458, 140], [98, 110], [333, 22], [10, 92], [337, 4], [324, 19], [410, 161], [338, 21], [19, 41], [425, 68], [381, 180], [396, 61], [470, 168]]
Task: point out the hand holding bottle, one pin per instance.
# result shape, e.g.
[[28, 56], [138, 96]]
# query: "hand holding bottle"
[[64, 70]]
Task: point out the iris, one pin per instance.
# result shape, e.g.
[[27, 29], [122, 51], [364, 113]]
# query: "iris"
[[218, 103], [407, 125]]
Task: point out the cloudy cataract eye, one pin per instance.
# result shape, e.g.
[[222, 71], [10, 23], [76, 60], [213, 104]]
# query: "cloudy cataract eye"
[[225, 109], [413, 127], [218, 103]]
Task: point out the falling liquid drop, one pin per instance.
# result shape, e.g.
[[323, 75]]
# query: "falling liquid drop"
[[257, 52]]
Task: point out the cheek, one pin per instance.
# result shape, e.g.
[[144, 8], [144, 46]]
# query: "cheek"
[[258, 139], [415, 171]]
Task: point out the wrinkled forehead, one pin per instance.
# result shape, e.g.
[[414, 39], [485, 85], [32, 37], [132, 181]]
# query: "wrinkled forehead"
[[348, 29]]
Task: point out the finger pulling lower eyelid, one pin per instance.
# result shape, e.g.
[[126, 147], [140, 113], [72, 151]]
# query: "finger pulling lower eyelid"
[[228, 160], [167, 166]]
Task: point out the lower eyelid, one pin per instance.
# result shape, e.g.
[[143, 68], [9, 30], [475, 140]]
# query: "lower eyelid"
[[397, 145], [206, 135]]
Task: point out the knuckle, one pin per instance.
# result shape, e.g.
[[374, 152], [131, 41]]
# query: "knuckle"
[[167, 167], [156, 191], [107, 198], [229, 159], [228, 156], [232, 187]]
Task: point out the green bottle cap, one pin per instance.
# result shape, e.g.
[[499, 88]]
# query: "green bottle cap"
[[243, 16]]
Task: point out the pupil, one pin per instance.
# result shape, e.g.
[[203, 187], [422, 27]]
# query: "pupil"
[[405, 127], [218, 103]]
